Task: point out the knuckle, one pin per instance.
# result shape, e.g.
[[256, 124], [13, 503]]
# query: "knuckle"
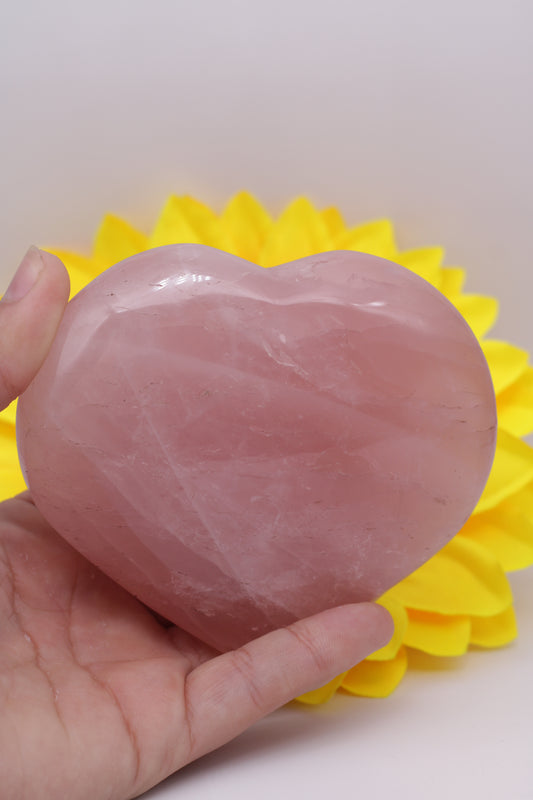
[[243, 662], [316, 655]]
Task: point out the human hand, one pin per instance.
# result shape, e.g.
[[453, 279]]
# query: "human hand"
[[98, 698]]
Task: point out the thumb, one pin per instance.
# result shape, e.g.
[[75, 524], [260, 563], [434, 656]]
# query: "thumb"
[[30, 313], [234, 690]]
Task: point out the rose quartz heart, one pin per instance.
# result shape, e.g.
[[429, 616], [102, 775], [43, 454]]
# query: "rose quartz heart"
[[241, 447]]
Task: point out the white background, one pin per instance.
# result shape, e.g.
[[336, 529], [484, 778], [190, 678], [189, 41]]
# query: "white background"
[[417, 110]]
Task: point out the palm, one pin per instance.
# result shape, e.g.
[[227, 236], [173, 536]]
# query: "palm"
[[99, 699], [102, 679]]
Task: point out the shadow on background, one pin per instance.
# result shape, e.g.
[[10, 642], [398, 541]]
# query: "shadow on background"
[[295, 726]]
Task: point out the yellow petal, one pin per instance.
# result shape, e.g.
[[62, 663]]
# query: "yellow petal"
[[452, 281], [11, 480], [323, 694], [515, 406], [511, 471], [11, 483], [438, 634], [462, 579], [521, 501], [506, 533], [495, 631], [425, 262], [399, 615], [376, 238], [117, 240], [9, 415], [202, 218], [333, 221], [300, 231], [185, 220], [82, 270], [376, 678], [506, 362], [480, 312], [8, 453], [245, 225]]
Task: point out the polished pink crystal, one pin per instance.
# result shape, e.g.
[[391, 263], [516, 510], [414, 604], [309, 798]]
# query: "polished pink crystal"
[[240, 447]]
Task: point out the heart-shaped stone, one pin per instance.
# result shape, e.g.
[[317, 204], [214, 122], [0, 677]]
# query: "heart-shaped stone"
[[240, 447]]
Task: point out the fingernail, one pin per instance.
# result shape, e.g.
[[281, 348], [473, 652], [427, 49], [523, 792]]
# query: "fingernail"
[[26, 276]]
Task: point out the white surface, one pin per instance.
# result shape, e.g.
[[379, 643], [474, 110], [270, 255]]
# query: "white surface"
[[419, 111]]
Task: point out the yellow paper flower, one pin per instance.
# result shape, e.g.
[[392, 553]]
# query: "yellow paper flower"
[[461, 597]]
